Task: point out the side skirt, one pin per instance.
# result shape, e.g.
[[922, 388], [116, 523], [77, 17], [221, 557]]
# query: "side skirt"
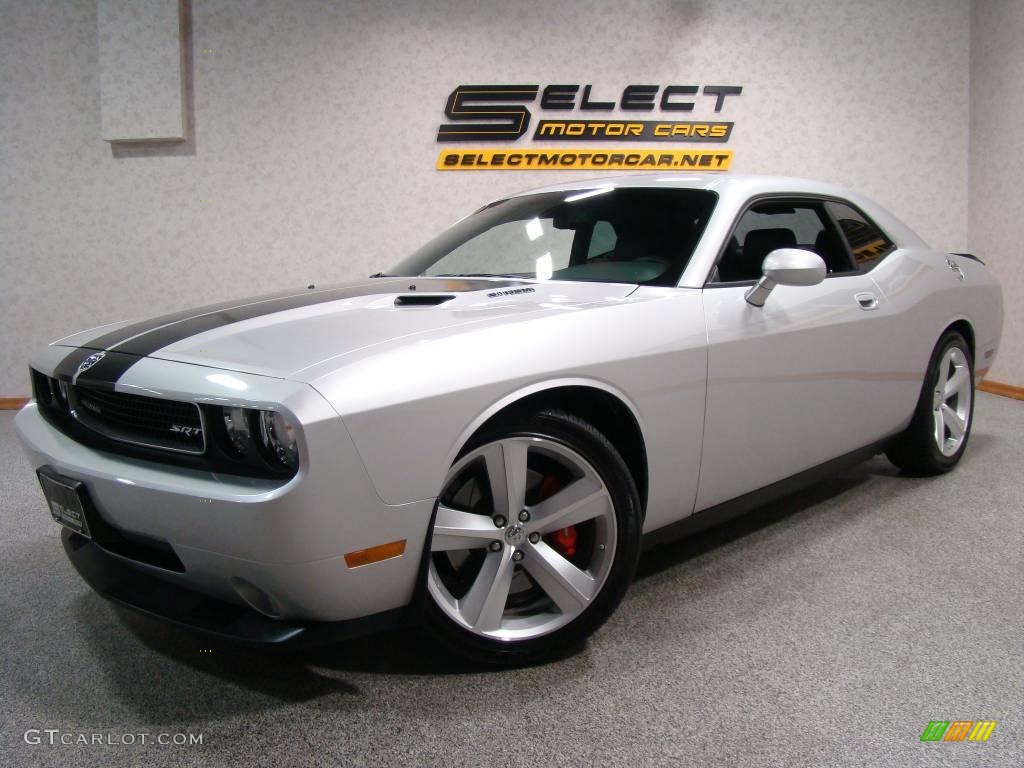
[[728, 510]]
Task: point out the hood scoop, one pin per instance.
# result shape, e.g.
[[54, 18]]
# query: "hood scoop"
[[422, 299]]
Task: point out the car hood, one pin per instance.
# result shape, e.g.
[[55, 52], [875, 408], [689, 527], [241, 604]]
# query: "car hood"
[[294, 334]]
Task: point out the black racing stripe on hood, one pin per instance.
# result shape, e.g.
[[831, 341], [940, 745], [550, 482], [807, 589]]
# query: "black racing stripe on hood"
[[125, 346]]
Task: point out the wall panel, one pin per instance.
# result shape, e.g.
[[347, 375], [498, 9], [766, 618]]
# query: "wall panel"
[[140, 57]]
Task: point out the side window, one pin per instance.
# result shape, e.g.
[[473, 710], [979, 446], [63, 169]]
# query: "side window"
[[804, 222], [602, 241], [775, 224], [868, 244]]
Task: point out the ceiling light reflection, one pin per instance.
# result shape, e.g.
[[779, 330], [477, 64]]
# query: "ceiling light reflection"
[[225, 380]]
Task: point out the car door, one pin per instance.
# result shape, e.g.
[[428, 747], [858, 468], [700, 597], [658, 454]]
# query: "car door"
[[790, 384]]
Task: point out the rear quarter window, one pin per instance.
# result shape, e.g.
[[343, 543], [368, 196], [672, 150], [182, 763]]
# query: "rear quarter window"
[[868, 244]]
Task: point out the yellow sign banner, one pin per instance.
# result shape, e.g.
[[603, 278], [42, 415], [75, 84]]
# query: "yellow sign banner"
[[586, 159]]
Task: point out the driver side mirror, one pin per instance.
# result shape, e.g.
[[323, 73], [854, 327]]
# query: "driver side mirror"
[[786, 266]]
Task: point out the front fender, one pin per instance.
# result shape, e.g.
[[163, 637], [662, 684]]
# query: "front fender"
[[410, 409]]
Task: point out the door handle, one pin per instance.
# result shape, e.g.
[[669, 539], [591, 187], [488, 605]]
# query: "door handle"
[[866, 300]]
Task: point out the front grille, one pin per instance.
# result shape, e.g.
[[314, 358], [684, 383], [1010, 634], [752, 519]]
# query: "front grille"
[[138, 420]]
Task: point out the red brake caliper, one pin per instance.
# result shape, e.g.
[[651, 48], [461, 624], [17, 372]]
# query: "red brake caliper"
[[564, 539]]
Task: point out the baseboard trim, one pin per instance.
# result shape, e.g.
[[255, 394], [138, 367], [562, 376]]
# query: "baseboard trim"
[[998, 388], [12, 403]]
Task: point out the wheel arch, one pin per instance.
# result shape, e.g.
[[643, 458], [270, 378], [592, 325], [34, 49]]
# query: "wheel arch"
[[963, 326], [604, 406]]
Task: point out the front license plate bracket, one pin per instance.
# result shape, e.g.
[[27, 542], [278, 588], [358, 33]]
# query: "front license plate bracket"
[[67, 500]]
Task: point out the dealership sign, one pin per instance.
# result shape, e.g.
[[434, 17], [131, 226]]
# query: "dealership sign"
[[577, 113]]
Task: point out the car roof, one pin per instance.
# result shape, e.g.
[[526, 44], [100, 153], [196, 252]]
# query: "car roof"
[[734, 189], [722, 183]]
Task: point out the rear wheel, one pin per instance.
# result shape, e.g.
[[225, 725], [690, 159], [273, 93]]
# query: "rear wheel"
[[535, 540], [938, 432]]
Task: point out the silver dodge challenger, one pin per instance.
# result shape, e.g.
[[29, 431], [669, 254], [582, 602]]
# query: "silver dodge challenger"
[[484, 438]]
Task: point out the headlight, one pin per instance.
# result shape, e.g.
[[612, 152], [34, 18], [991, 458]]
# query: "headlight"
[[255, 439], [236, 425], [58, 391], [278, 438]]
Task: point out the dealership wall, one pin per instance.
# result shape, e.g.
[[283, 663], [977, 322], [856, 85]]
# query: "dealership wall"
[[997, 164], [311, 157]]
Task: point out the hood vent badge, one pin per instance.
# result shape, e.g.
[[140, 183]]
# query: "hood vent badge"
[[423, 300]]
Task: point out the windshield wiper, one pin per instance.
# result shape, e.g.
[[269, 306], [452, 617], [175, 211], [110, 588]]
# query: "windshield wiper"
[[382, 274]]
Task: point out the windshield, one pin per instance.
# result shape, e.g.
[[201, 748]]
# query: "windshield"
[[607, 234]]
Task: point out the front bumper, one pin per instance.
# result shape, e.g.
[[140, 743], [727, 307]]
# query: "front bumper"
[[109, 576], [234, 533]]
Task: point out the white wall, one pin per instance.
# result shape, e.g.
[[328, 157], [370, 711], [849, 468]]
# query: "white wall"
[[997, 164], [314, 127]]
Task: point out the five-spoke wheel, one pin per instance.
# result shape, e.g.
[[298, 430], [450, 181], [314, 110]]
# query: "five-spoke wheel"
[[951, 402], [938, 432], [529, 531]]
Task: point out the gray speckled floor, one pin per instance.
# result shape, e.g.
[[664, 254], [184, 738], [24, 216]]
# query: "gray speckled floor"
[[826, 630]]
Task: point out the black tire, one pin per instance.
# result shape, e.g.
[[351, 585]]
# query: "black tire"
[[583, 438], [915, 450]]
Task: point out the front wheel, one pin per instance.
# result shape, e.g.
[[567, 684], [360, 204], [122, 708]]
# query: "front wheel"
[[938, 432], [535, 540]]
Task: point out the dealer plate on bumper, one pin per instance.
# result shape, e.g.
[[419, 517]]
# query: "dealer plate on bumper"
[[66, 498]]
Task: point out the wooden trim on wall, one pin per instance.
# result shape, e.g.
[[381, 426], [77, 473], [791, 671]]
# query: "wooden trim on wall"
[[998, 388], [12, 403]]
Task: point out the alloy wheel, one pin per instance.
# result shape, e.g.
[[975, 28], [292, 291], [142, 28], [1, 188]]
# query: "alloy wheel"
[[523, 539], [951, 401]]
